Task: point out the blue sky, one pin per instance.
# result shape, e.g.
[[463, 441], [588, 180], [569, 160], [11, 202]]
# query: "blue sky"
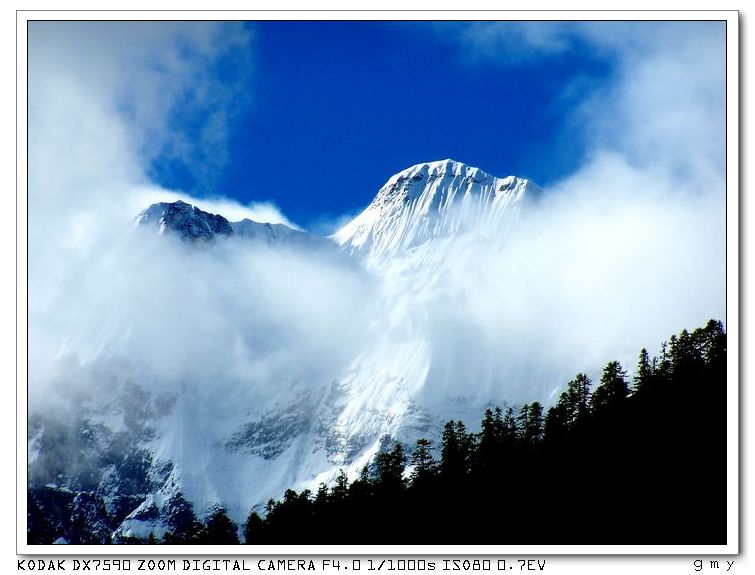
[[327, 111]]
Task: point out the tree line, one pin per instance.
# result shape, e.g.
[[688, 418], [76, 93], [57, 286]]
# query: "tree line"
[[617, 461]]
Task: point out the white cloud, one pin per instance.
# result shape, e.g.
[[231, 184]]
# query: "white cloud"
[[513, 42], [156, 78], [623, 252], [103, 101], [630, 247], [663, 103]]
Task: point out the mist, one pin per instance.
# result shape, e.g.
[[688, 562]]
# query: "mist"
[[219, 319], [613, 260], [630, 247], [624, 251]]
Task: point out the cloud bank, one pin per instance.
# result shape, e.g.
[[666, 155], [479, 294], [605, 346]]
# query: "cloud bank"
[[625, 251], [108, 102], [630, 247]]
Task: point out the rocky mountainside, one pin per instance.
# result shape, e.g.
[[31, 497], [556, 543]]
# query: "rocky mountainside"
[[185, 220], [190, 223], [142, 454]]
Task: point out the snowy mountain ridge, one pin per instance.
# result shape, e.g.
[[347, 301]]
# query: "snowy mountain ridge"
[[418, 231], [425, 201], [191, 223], [184, 219]]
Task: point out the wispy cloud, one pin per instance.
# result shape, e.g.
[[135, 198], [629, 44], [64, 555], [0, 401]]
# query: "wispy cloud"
[[232, 210], [514, 42], [155, 83], [630, 246], [106, 101], [663, 103]]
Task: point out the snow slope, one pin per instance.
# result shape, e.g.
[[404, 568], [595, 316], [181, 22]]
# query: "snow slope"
[[417, 235], [427, 201], [216, 441]]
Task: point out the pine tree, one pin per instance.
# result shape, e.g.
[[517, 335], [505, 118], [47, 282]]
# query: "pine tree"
[[662, 369], [510, 428], [521, 420], [555, 422], [322, 496], [715, 349], [449, 450], [422, 462], [498, 426], [577, 399], [340, 487], [613, 389], [455, 450], [219, 529], [467, 445], [673, 356], [490, 438], [687, 357], [531, 424], [487, 427], [389, 468], [644, 373]]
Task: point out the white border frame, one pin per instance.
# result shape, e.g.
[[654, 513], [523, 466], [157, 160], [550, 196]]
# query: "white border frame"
[[732, 292]]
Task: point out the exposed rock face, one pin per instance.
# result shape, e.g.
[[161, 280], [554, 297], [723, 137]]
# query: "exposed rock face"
[[186, 220]]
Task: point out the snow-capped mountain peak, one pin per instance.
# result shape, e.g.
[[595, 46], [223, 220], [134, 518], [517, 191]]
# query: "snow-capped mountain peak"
[[447, 168], [188, 221], [427, 200], [191, 223]]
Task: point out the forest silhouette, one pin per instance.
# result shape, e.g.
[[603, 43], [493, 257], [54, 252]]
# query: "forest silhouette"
[[635, 461]]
